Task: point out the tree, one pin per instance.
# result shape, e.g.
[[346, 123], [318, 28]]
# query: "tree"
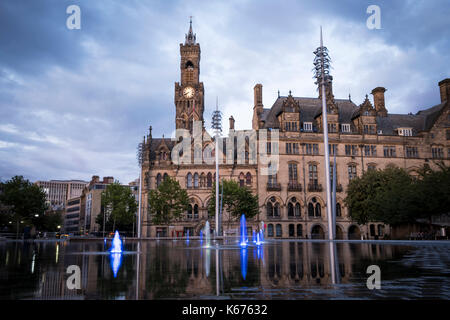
[[382, 195], [119, 206], [433, 191], [168, 202], [236, 200], [24, 201]]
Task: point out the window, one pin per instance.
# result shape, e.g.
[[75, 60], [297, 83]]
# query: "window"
[[189, 180], [248, 179], [241, 180], [293, 177], [195, 211], [291, 230], [299, 230], [412, 152], [270, 230], [312, 148], [307, 126], [333, 149], [407, 132], [196, 180], [345, 127], [437, 153], [288, 148], [269, 147], [351, 171], [371, 166], [290, 126], [370, 151], [338, 210], [313, 174], [369, 129], [273, 208], [351, 150], [209, 180], [389, 152], [158, 180], [293, 208], [279, 231], [332, 127], [314, 208]]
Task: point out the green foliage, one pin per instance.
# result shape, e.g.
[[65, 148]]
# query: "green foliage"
[[392, 196], [119, 207], [236, 200], [21, 201], [168, 202]]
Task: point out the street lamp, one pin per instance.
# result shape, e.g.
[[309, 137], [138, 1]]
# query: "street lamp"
[[217, 126]]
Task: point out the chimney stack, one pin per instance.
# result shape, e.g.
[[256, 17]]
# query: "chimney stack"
[[444, 88], [95, 179], [231, 123], [378, 101], [258, 106]]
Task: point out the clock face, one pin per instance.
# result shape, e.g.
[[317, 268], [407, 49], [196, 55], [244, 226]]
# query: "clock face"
[[188, 92]]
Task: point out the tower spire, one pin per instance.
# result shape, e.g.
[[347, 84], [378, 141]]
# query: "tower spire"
[[190, 36]]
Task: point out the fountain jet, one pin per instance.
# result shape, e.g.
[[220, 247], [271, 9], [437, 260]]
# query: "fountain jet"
[[207, 234], [244, 240], [116, 246]]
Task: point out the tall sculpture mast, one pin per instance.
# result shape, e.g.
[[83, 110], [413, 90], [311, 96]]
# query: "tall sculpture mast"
[[322, 70]]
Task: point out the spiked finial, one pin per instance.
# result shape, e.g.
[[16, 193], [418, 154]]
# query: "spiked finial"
[[190, 37]]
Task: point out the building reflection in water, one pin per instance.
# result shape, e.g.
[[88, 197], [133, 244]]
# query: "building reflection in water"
[[172, 270]]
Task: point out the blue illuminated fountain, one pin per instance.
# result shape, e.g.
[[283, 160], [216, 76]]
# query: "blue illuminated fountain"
[[243, 233], [116, 246], [201, 236], [116, 261], [243, 255], [187, 237], [116, 253]]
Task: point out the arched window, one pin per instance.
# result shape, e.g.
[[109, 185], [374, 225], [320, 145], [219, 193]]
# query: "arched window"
[[299, 230], [241, 180], [310, 210], [276, 211], [196, 180], [209, 180], [318, 210], [248, 179], [158, 179], [338, 210], [189, 180], [291, 230], [273, 208], [293, 208], [279, 230], [189, 212], [297, 210], [195, 211], [290, 209], [269, 209], [165, 176], [202, 180], [270, 230]]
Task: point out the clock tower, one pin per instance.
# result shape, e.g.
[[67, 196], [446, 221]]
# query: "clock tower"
[[189, 92]]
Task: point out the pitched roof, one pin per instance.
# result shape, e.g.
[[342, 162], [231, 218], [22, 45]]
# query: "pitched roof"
[[309, 109], [312, 107]]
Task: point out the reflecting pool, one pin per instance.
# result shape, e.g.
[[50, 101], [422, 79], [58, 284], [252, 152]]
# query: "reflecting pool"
[[168, 269]]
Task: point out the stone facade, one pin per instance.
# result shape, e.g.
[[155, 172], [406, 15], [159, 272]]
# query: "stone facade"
[[292, 201]]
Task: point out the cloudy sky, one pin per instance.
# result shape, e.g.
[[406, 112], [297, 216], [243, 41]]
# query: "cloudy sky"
[[75, 103]]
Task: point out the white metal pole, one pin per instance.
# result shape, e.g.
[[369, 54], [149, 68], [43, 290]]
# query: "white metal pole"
[[327, 155], [140, 203], [217, 185]]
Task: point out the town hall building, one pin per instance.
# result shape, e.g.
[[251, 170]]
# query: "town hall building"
[[292, 201]]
